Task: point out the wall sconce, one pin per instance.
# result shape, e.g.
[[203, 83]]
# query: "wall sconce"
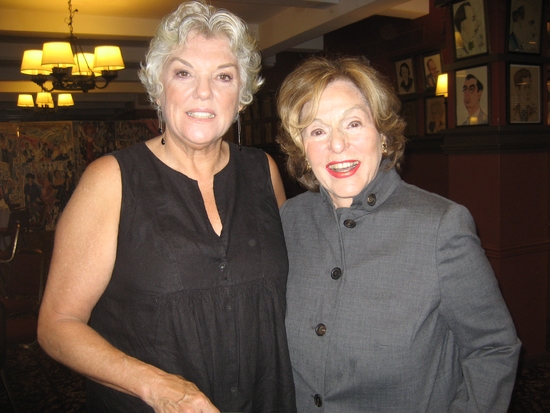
[[442, 88]]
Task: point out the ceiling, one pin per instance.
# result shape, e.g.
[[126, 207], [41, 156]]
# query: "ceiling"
[[279, 25]]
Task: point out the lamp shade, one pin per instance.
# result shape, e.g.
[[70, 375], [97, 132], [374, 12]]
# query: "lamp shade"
[[84, 64], [108, 58], [44, 100], [25, 101], [65, 99], [32, 63], [58, 54], [442, 87]]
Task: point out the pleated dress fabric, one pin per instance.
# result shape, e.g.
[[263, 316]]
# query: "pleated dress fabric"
[[209, 308]]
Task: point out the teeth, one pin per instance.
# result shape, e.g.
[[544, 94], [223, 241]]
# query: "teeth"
[[201, 115], [338, 167]]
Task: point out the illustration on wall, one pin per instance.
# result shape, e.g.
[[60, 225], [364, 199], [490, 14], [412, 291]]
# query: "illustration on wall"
[[524, 94], [41, 162], [524, 26], [432, 69], [405, 76], [472, 91], [469, 28], [436, 115]]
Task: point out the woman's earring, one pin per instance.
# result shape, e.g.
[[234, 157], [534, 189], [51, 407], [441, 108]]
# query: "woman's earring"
[[384, 148], [308, 166], [160, 121], [239, 131], [162, 141]]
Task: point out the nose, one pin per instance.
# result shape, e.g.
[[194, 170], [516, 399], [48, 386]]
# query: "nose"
[[203, 89], [338, 141]]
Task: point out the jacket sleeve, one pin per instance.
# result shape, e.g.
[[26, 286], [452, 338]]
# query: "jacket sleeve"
[[475, 312]]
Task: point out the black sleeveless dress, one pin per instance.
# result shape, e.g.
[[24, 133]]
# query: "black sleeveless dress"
[[209, 308]]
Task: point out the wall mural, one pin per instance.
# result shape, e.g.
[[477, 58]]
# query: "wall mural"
[[41, 162]]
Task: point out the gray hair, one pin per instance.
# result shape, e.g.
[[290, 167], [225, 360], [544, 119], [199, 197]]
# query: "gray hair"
[[206, 20]]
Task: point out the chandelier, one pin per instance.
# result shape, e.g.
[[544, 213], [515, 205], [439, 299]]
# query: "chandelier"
[[67, 66], [44, 100]]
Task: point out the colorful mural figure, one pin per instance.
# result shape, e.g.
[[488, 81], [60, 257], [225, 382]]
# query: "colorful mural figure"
[[41, 162]]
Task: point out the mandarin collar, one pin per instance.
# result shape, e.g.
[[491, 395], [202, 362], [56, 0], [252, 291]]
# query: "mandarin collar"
[[375, 193]]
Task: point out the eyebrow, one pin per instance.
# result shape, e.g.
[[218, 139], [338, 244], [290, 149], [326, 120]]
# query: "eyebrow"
[[347, 111], [186, 63]]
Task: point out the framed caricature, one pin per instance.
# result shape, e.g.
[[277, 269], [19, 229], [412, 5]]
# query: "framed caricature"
[[524, 94], [436, 115], [432, 69], [524, 26], [405, 76], [472, 91], [470, 32]]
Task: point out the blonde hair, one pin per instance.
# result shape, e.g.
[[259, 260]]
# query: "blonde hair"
[[306, 84], [206, 20]]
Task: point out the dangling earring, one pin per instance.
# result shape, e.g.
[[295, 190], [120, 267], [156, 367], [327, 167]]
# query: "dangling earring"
[[159, 114], [239, 131], [384, 148]]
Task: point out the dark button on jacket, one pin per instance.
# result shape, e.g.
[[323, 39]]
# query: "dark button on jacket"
[[349, 223], [321, 329], [318, 400], [336, 273]]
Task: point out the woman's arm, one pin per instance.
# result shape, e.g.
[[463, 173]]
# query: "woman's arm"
[[473, 308], [82, 262], [276, 181]]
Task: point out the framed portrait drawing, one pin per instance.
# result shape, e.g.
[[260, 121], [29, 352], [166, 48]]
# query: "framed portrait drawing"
[[436, 115], [524, 26], [432, 69], [405, 76], [470, 30], [409, 113], [524, 94], [472, 91]]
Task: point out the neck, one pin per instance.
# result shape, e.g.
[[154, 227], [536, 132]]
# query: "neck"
[[195, 162]]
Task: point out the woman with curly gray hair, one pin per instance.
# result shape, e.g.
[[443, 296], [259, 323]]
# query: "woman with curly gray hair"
[[168, 276], [392, 303]]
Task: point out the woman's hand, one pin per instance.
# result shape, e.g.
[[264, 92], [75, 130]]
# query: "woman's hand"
[[175, 394]]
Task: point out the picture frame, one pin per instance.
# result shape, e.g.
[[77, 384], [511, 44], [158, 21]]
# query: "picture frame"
[[470, 28], [524, 26], [405, 76], [432, 68], [472, 96], [436, 115], [409, 112], [524, 94]]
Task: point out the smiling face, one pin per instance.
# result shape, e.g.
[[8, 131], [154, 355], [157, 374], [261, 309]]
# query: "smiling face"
[[201, 91], [342, 143]]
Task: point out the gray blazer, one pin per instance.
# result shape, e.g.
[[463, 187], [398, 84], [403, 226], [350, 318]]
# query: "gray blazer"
[[393, 305]]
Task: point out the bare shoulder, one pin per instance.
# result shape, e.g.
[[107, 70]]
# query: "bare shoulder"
[[102, 171], [97, 196]]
